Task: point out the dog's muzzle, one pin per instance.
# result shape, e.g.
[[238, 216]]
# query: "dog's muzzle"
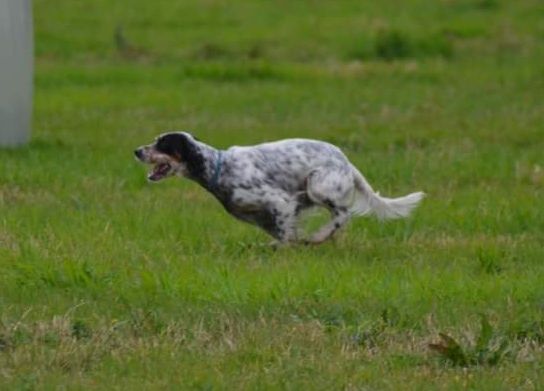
[[160, 170], [139, 154]]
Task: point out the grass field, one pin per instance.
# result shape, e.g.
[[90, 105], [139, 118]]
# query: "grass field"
[[109, 282]]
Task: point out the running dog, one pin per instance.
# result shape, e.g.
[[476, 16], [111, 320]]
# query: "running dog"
[[270, 184]]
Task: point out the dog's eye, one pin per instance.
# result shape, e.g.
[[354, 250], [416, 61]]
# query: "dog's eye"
[[161, 144], [165, 146]]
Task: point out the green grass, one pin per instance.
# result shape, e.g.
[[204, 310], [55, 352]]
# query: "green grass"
[[109, 282]]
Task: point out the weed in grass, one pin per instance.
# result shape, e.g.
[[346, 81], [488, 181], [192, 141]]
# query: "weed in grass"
[[525, 329], [256, 51], [392, 45], [212, 51], [489, 259], [489, 348], [478, 5], [126, 49], [366, 335], [146, 322], [233, 72], [391, 316], [81, 330], [489, 4]]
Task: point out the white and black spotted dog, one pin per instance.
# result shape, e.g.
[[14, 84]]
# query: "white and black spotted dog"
[[270, 184]]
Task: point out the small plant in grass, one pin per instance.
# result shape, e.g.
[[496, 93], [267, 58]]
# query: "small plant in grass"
[[212, 51], [488, 4], [368, 335], [489, 260], [488, 349], [80, 329], [392, 45], [525, 329]]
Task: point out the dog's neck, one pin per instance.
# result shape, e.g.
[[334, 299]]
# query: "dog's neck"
[[202, 165]]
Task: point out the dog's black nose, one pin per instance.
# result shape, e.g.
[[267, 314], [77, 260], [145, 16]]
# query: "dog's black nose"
[[138, 153]]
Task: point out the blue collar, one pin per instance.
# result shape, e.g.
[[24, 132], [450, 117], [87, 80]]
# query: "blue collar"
[[217, 173]]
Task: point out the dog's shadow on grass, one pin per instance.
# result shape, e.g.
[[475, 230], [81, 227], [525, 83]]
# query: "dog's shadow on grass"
[[272, 248], [265, 248]]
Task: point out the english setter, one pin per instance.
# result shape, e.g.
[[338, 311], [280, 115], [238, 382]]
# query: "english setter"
[[270, 184]]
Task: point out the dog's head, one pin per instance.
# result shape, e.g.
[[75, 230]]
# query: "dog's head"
[[170, 154]]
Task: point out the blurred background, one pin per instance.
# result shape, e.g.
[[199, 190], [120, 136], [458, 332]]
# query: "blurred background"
[[417, 70]]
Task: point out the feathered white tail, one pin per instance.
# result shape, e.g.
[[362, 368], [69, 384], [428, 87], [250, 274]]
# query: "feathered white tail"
[[368, 202]]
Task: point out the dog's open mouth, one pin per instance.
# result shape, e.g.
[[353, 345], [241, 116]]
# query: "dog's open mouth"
[[160, 171]]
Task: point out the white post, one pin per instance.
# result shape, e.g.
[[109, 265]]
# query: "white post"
[[16, 71]]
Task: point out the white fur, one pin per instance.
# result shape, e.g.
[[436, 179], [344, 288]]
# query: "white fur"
[[369, 202]]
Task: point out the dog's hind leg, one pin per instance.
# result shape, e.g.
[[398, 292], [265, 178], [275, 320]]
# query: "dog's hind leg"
[[339, 219], [332, 189]]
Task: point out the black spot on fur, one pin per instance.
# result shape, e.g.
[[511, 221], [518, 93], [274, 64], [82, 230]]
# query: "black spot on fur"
[[270, 178], [329, 203], [268, 220], [256, 183], [303, 202], [244, 186]]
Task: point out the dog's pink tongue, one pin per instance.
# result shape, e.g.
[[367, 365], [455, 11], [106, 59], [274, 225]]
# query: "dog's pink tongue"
[[154, 176], [158, 172]]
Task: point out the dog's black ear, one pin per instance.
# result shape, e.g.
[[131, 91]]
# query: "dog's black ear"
[[182, 147], [176, 144], [173, 144]]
